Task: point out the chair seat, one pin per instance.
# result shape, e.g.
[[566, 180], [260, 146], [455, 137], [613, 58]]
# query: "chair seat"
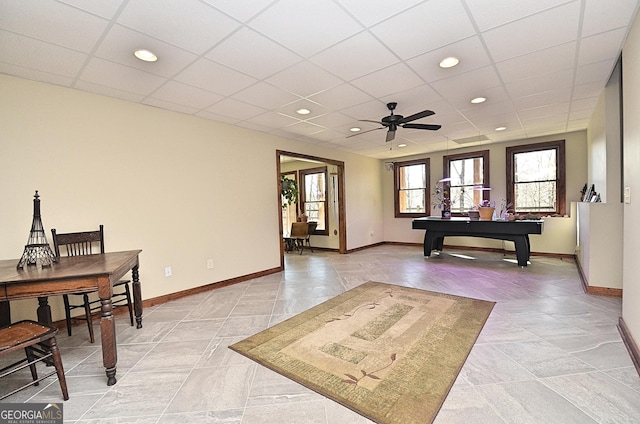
[[23, 333], [39, 344]]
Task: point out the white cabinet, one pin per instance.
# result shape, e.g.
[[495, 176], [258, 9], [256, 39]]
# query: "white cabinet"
[[599, 247]]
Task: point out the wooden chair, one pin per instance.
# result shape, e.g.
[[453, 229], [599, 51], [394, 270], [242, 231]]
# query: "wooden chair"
[[312, 228], [84, 243], [39, 342], [299, 234]]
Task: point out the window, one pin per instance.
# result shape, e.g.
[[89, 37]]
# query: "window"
[[469, 173], [313, 195], [411, 182], [536, 178]]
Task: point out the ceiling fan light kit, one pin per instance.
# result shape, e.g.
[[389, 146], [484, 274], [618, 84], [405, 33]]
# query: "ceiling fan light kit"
[[393, 122]]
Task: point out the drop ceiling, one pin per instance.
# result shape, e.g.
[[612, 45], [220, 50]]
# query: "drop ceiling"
[[541, 64]]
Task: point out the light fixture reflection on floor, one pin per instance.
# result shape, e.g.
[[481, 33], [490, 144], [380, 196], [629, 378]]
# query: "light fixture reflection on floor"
[[461, 256]]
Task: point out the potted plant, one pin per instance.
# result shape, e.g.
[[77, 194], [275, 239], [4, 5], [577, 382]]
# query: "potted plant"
[[486, 209], [441, 199], [288, 191]]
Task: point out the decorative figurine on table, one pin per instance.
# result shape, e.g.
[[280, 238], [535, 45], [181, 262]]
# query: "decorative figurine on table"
[[37, 246]]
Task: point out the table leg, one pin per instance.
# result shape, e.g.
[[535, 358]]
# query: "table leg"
[[107, 330], [522, 250], [428, 243], [5, 313], [137, 296], [44, 311]]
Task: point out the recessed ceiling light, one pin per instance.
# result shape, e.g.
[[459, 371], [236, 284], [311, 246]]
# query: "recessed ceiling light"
[[478, 100], [354, 129], [449, 62], [303, 111], [402, 145], [501, 128], [145, 55]]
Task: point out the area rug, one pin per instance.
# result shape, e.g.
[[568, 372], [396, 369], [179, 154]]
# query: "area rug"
[[388, 352]]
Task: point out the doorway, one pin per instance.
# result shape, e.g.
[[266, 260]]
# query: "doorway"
[[335, 180]]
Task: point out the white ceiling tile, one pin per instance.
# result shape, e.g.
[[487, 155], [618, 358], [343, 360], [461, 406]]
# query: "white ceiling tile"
[[47, 21], [40, 56], [162, 104], [214, 77], [588, 103], [334, 120], [490, 14], [470, 52], [218, 118], [600, 16], [109, 91], [544, 82], [303, 128], [370, 12], [415, 99], [478, 113], [389, 80], [266, 96], [266, 59], [106, 9], [304, 79], [35, 75], [296, 25], [186, 95], [357, 56], [593, 72], [598, 47], [235, 109], [102, 72], [341, 96], [120, 43], [193, 25], [314, 108], [463, 87], [593, 89], [272, 120], [537, 32], [241, 10], [542, 62], [441, 22], [543, 99]]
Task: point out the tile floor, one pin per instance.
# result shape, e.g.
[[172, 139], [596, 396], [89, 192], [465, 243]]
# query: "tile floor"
[[548, 354]]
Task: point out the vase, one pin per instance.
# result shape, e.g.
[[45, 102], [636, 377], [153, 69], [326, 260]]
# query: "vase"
[[486, 213]]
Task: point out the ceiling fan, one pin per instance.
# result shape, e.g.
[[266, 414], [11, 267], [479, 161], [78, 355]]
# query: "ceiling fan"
[[392, 122]]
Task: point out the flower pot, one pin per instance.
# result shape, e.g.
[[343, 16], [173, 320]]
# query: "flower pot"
[[486, 213]]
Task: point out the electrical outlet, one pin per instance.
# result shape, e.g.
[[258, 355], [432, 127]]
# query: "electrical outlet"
[[209, 263], [167, 271]]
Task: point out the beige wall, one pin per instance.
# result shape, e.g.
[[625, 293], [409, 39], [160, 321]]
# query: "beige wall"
[[631, 178], [181, 188], [559, 234]]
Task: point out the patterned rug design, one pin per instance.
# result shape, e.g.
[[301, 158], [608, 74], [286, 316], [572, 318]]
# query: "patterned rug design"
[[390, 353]]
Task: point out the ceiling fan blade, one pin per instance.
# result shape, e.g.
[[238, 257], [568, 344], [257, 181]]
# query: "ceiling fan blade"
[[363, 132], [432, 127], [415, 116], [369, 120], [391, 134]]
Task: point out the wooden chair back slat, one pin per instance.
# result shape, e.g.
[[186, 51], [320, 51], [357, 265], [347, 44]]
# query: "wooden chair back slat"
[[80, 243]]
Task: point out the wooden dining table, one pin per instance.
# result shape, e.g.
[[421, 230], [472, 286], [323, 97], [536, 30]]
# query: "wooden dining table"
[[76, 274]]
